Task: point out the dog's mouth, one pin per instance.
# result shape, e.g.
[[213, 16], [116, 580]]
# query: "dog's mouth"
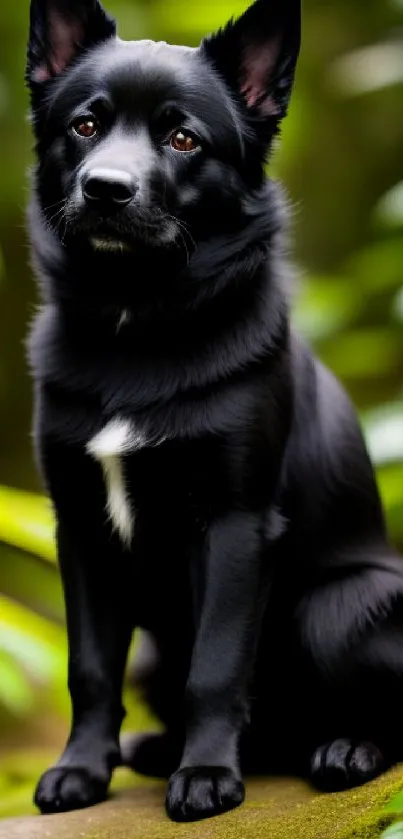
[[121, 233]]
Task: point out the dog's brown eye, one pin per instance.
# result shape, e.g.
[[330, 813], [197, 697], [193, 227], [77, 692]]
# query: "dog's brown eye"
[[180, 141], [85, 127]]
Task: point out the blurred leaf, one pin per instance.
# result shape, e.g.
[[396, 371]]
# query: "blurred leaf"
[[369, 69], [134, 20], [17, 798], [389, 209], [33, 656], [26, 521], [394, 832], [384, 433], [35, 643], [25, 578], [181, 16], [19, 774], [397, 305], [364, 353], [15, 691], [4, 95], [1, 266], [396, 805], [378, 267], [390, 480], [325, 305]]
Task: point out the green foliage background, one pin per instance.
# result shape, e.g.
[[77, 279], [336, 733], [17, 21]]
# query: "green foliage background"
[[341, 161]]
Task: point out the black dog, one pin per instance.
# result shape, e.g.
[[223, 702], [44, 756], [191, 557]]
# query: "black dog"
[[209, 478]]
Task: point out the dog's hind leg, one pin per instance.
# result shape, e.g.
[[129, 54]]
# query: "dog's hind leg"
[[153, 754], [353, 627], [158, 675]]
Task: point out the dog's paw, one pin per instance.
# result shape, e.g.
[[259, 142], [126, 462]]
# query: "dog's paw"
[[67, 788], [153, 755], [343, 764], [203, 791]]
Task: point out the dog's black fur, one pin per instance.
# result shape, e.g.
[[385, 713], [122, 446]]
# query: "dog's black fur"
[[259, 563]]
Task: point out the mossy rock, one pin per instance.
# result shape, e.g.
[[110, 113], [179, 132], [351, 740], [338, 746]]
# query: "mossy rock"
[[275, 808]]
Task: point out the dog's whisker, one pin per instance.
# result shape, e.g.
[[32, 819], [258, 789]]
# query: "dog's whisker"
[[56, 204], [57, 216], [183, 232]]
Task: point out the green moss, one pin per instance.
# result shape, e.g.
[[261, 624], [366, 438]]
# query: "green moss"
[[276, 808]]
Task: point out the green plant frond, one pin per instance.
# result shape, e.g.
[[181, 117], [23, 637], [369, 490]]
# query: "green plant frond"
[[26, 521], [34, 642], [16, 693]]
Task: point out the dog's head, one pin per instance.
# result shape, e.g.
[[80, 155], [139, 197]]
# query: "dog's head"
[[142, 142]]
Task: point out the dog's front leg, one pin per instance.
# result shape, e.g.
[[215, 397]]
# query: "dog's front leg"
[[98, 598], [229, 592]]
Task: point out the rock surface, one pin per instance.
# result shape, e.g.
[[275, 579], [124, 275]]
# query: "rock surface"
[[275, 809]]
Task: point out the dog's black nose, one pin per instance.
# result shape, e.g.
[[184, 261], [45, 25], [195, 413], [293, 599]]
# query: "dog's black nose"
[[109, 188]]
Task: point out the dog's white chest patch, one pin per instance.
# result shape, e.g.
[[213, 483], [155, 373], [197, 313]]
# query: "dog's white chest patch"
[[118, 439]]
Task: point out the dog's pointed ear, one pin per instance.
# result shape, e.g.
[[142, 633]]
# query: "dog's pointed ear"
[[257, 54], [61, 30]]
